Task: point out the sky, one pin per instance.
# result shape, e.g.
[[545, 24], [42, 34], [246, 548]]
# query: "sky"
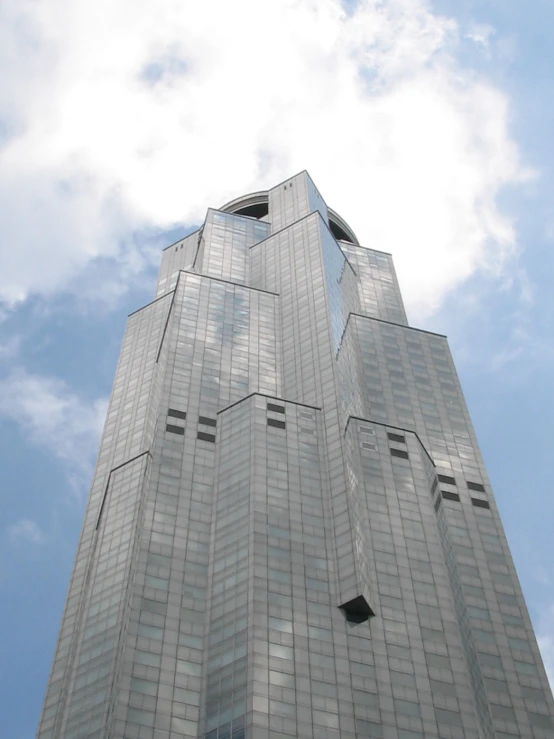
[[426, 125]]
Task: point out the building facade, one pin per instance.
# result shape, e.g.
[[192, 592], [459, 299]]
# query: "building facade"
[[290, 531]]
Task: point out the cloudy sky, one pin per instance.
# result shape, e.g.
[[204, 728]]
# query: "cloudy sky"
[[426, 125]]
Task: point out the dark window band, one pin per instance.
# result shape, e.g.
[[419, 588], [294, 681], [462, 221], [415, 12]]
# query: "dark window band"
[[397, 437], [177, 414], [399, 453], [175, 429], [207, 421], [476, 486], [205, 437], [450, 496]]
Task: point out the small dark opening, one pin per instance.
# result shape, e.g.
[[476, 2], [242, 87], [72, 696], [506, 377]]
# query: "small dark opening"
[[397, 437], [357, 610], [399, 453], [175, 429], [275, 408], [207, 421], [176, 413], [450, 496], [476, 486]]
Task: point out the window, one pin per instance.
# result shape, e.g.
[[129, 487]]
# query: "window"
[[450, 496], [175, 429], [540, 721], [438, 686], [476, 486], [399, 453], [504, 713], [437, 660], [205, 437], [490, 660], [406, 708], [397, 437], [275, 408], [276, 424], [447, 479], [450, 718], [480, 503], [207, 421], [176, 414], [534, 694]]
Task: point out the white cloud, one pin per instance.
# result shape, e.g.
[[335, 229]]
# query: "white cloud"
[[120, 116], [56, 419], [25, 529], [481, 34]]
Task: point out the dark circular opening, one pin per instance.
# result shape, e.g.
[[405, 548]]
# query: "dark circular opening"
[[258, 210]]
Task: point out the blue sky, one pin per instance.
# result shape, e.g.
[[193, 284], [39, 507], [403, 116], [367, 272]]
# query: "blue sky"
[[427, 126]]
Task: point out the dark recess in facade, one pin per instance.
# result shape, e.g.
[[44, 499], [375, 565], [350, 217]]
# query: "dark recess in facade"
[[260, 210]]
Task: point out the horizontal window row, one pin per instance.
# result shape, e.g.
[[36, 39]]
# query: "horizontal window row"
[[477, 502], [182, 415], [449, 480]]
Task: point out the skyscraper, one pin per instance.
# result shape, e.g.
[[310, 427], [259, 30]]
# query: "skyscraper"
[[290, 531]]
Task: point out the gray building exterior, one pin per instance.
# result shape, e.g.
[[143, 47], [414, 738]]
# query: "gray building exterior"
[[290, 531]]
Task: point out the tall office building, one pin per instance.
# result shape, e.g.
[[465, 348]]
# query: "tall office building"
[[290, 531]]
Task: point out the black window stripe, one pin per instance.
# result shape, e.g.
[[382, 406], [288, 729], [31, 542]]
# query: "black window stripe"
[[399, 453], [175, 429], [476, 486], [275, 408], [205, 437], [397, 437], [177, 414], [207, 421]]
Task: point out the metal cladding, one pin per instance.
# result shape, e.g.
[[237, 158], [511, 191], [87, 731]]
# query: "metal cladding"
[[290, 530]]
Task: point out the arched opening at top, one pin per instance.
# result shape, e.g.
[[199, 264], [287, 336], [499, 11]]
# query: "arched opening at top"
[[338, 232], [256, 210], [256, 205]]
